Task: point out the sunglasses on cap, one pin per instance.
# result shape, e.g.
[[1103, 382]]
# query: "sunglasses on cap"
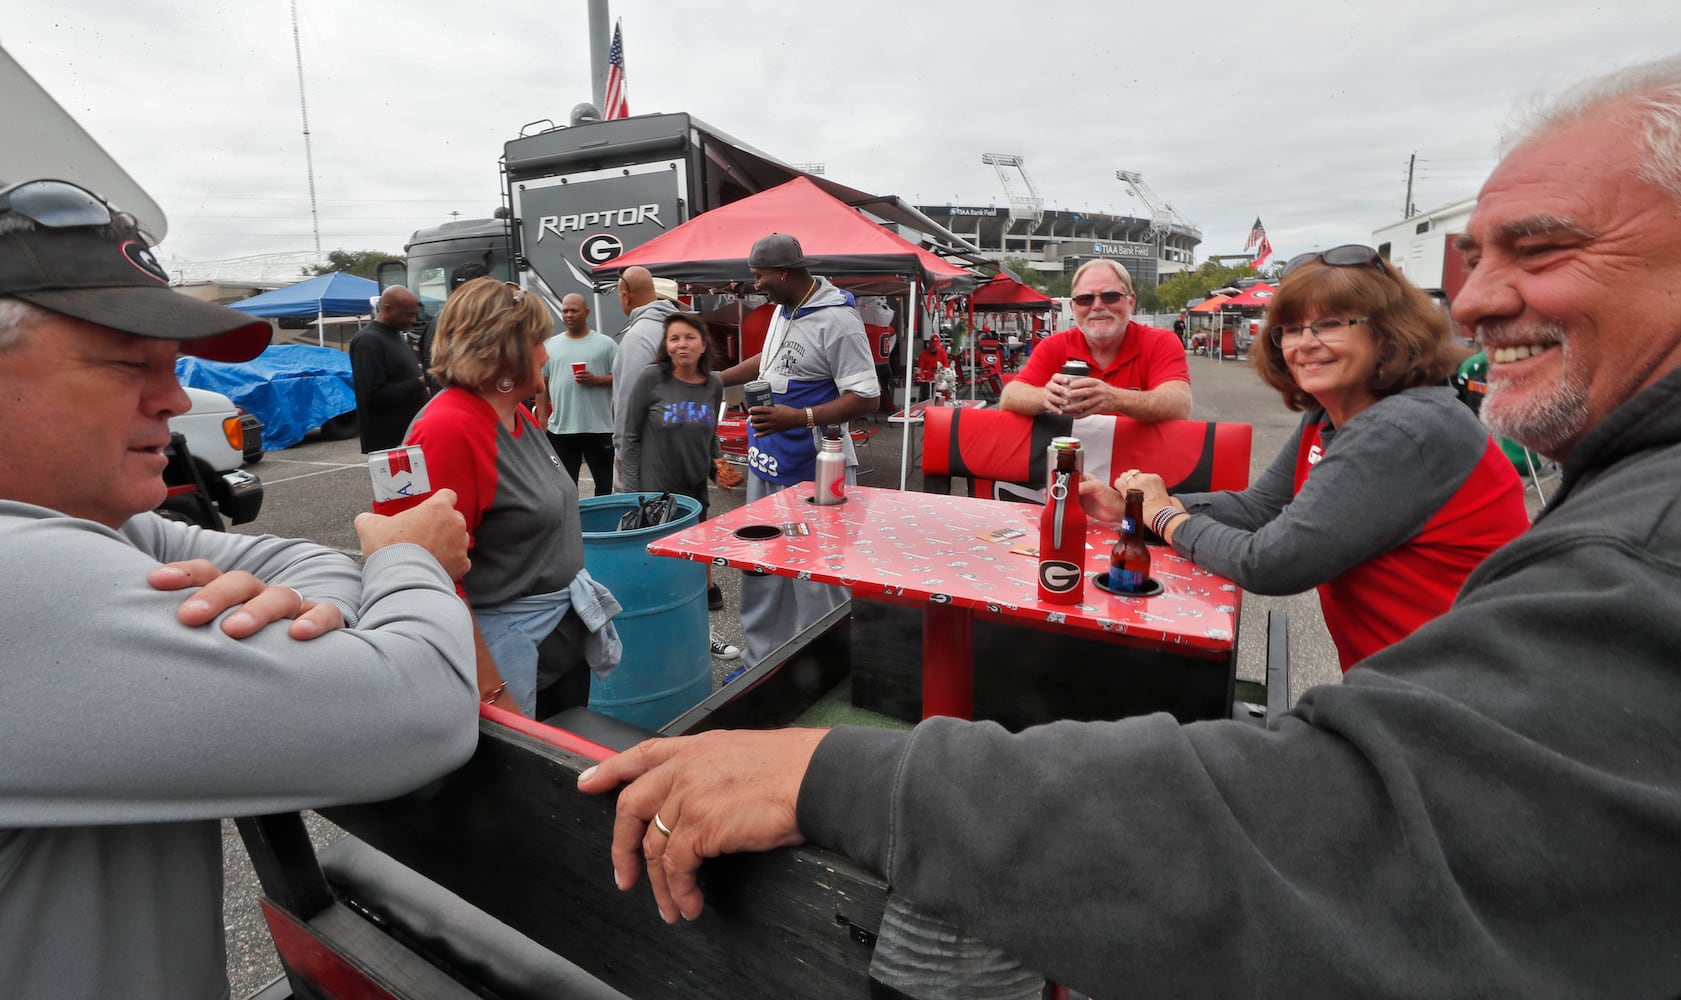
[[55, 204], [1347, 255], [1085, 299]]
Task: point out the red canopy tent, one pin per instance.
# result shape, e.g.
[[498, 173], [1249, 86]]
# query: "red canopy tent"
[[1210, 305], [842, 244], [1256, 296], [1002, 293]]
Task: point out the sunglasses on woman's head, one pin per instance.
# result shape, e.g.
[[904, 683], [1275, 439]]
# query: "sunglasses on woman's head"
[[1347, 255]]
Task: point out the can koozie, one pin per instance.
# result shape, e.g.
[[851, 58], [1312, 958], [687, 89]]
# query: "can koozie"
[[400, 479]]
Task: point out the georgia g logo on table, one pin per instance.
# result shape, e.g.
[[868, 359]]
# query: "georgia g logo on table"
[[1058, 576]]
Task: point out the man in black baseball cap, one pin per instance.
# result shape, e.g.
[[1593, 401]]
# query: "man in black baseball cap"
[[145, 696]]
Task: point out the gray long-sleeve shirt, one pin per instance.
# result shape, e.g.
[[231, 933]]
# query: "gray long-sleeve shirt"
[[1489, 808], [637, 347], [127, 735], [1380, 477], [671, 436]]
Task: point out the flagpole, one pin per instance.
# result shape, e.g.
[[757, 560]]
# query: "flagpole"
[[601, 30]]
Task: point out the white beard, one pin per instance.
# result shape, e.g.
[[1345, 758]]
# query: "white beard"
[[1550, 417], [1113, 333]]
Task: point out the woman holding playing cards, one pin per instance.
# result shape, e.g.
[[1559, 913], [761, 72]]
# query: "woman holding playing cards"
[[1390, 492], [671, 431], [527, 586]]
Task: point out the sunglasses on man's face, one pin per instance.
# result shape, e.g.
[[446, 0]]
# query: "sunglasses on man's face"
[[1085, 299], [55, 204], [1347, 255]]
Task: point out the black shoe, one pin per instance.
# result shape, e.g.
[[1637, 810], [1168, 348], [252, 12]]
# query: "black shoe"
[[714, 598]]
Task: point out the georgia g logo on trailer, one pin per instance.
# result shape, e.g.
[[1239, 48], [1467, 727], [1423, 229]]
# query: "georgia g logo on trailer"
[[600, 248], [1057, 576]]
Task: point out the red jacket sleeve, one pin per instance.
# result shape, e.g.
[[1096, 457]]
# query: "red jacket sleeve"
[[459, 442]]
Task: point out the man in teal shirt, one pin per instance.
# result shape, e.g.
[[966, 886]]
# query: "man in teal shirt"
[[576, 407]]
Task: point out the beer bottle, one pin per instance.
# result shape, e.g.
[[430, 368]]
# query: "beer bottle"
[[1062, 530], [1129, 560]]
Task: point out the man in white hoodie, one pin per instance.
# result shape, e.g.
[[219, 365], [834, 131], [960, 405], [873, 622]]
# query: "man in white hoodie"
[[817, 360]]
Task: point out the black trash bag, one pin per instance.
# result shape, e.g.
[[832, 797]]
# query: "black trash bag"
[[649, 512]]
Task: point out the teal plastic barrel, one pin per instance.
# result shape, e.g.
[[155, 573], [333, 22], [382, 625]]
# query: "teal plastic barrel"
[[667, 665]]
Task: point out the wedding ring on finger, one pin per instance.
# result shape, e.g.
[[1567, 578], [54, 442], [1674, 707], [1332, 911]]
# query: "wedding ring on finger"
[[659, 825]]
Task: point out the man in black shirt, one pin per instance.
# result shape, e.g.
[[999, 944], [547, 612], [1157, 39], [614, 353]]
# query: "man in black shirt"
[[390, 388]]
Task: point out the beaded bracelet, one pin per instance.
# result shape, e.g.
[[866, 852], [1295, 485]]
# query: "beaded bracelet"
[[1165, 516]]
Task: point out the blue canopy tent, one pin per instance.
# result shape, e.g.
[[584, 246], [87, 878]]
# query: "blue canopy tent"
[[333, 294]]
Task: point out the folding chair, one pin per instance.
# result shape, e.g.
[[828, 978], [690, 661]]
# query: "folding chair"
[[861, 445]]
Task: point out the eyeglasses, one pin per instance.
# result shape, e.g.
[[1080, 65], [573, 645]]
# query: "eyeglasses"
[[1109, 298], [1326, 331], [1347, 255], [55, 204]]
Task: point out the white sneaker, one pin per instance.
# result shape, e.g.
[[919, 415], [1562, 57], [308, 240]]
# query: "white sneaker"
[[723, 650]]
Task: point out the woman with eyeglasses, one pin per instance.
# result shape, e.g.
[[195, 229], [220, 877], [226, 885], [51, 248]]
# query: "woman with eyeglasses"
[[1390, 493], [527, 581]]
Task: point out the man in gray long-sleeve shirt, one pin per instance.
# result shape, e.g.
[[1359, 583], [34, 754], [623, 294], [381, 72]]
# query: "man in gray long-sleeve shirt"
[[1490, 807], [134, 717], [638, 343]]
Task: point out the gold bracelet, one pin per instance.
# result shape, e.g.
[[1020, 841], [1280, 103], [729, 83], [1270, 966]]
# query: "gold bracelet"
[[490, 698], [810, 418]]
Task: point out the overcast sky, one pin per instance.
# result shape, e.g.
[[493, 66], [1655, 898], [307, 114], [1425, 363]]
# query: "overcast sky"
[[1302, 112]]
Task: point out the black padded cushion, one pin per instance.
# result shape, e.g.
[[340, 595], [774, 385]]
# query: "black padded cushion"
[[461, 937], [602, 729]]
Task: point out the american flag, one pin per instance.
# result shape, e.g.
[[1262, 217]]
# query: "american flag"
[[617, 106], [1257, 232]]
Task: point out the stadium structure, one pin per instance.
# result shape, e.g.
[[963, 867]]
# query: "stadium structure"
[[1057, 241]]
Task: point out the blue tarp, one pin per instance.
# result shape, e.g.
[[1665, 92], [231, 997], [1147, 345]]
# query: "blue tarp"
[[332, 294], [292, 388]]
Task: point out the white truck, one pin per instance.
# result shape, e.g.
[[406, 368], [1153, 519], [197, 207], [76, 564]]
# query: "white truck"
[[210, 444]]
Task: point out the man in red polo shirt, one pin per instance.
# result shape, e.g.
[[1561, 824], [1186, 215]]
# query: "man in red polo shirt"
[[1136, 370]]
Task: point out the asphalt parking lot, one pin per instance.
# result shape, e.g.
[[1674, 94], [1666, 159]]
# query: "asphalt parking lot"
[[316, 489]]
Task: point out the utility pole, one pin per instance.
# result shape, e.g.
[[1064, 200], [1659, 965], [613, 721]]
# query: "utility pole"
[[303, 108], [1407, 210]]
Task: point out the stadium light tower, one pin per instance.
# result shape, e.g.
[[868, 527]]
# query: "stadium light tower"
[[1161, 215], [1030, 206]]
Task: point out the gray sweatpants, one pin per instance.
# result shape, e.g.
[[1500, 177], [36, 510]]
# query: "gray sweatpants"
[[776, 608]]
